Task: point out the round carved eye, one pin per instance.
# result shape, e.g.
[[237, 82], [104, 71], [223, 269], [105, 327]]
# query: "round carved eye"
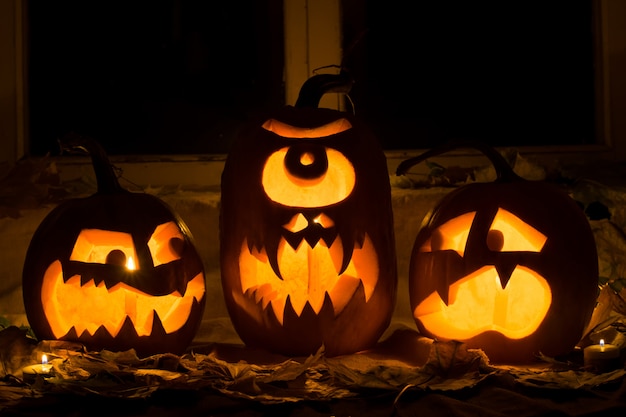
[[308, 175], [116, 257], [306, 161], [176, 246], [495, 240]]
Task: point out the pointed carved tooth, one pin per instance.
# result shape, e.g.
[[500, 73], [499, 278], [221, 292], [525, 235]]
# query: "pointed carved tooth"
[[98, 282], [70, 335], [100, 333], [176, 315], [365, 261], [259, 254], [181, 285], [74, 280], [264, 293], [196, 287], [297, 303], [157, 327], [343, 291], [288, 311], [316, 301], [278, 305], [127, 331]]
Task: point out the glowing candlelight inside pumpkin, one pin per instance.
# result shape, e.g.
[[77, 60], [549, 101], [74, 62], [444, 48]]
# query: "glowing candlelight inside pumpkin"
[[602, 357], [130, 263]]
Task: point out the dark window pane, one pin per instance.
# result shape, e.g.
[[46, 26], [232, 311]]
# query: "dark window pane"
[[164, 76], [506, 72]]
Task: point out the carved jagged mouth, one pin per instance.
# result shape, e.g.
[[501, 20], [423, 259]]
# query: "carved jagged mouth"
[[477, 303], [309, 274], [81, 305]]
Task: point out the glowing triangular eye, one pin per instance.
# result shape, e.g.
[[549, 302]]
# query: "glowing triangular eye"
[[452, 235], [509, 233], [324, 221], [297, 223]]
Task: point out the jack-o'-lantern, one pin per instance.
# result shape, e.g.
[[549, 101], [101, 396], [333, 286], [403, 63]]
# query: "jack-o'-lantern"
[[508, 266], [115, 270], [306, 232]]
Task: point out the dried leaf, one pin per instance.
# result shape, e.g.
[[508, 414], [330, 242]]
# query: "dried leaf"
[[569, 379], [452, 359], [603, 314], [16, 351]]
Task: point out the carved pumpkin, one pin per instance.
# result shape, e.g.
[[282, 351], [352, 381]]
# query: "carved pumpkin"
[[509, 267], [306, 231], [116, 270]]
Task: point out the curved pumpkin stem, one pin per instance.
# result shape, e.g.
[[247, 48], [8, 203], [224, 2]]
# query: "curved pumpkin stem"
[[316, 86], [105, 175], [504, 171]]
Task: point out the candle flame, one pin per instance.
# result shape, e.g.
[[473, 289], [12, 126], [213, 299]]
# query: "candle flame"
[[130, 263], [601, 342], [44, 359]]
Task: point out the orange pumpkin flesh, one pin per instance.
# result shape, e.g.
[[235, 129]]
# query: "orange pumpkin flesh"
[[115, 270], [509, 267], [303, 264], [478, 302]]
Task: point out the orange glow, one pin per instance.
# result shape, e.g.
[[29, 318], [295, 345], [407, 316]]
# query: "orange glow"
[[308, 275], [166, 243], [518, 235], [88, 306], [508, 233], [452, 235], [332, 187], [288, 131], [94, 246], [478, 303], [130, 264]]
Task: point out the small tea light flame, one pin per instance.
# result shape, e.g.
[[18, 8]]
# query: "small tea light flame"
[[31, 372], [602, 344], [130, 263]]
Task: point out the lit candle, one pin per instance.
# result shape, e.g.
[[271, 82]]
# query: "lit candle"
[[130, 264], [602, 357], [44, 369]]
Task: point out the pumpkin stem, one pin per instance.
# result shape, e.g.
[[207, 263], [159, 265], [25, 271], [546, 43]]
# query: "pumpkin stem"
[[105, 175], [504, 171], [316, 86]]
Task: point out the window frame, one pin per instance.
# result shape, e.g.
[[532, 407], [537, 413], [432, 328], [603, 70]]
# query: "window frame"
[[312, 40]]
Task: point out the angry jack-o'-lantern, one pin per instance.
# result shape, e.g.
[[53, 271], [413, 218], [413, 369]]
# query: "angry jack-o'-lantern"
[[116, 270], [307, 248], [509, 267]]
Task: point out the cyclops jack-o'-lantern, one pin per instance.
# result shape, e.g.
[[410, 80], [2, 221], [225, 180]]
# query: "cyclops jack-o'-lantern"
[[509, 267], [116, 270], [307, 248]]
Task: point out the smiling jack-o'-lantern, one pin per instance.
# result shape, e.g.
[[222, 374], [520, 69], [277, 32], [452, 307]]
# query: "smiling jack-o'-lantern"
[[508, 266], [115, 270], [307, 248]]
